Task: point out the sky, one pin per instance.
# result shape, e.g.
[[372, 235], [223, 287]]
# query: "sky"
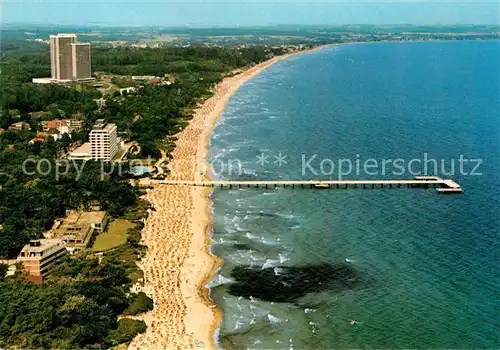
[[173, 13]]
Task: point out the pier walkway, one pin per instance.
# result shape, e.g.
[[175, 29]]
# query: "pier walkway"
[[442, 186]]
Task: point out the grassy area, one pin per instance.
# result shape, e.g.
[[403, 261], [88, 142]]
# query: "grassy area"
[[115, 236]]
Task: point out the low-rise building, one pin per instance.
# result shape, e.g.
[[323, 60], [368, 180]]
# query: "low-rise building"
[[128, 90], [84, 152], [39, 257], [40, 137], [79, 228], [145, 77], [41, 80], [63, 126], [76, 122], [20, 126]]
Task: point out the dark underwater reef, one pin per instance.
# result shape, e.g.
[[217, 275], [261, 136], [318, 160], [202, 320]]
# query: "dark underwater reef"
[[287, 284]]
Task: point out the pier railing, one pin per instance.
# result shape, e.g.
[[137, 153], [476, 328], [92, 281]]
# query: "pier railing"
[[441, 185]]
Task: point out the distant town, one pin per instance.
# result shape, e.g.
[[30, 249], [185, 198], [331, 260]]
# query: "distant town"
[[243, 37]]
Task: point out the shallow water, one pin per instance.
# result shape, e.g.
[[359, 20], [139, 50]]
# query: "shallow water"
[[423, 267]]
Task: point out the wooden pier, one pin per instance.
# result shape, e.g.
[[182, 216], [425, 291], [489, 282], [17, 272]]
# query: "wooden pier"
[[442, 186]]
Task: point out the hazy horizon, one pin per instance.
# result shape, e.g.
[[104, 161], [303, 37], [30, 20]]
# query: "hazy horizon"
[[209, 14], [256, 26]]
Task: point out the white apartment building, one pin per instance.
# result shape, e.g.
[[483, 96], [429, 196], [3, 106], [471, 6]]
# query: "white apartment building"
[[104, 141]]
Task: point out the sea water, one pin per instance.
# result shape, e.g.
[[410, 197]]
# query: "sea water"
[[362, 268]]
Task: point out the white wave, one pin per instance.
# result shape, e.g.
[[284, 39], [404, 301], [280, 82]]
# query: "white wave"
[[273, 319], [308, 311], [278, 271], [349, 260], [287, 216], [220, 280], [245, 253], [239, 228], [226, 151], [250, 236], [256, 258], [223, 241], [266, 242], [238, 325], [283, 258], [230, 229], [269, 263]]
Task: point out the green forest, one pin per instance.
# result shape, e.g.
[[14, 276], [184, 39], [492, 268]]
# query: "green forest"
[[79, 305]]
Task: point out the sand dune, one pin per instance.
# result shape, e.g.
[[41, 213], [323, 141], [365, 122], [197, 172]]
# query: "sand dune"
[[178, 263]]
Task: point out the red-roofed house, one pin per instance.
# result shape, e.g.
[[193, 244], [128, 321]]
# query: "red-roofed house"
[[62, 126]]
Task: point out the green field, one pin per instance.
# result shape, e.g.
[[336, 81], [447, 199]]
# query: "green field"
[[115, 236]]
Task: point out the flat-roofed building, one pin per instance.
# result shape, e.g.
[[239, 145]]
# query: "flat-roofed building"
[[78, 228], [61, 56], [104, 141], [84, 152], [19, 126], [39, 257], [81, 61], [70, 60], [42, 80]]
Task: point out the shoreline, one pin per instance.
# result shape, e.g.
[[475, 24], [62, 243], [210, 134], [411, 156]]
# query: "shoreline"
[[179, 262]]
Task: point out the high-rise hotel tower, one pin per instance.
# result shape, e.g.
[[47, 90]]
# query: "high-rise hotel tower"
[[69, 59]]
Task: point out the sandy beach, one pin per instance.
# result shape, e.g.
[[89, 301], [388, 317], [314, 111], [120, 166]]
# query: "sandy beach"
[[178, 263]]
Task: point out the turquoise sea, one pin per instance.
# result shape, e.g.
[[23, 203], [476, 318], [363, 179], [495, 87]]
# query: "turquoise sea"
[[356, 268]]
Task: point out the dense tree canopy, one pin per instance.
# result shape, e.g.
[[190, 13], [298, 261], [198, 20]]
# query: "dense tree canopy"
[[76, 308]]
